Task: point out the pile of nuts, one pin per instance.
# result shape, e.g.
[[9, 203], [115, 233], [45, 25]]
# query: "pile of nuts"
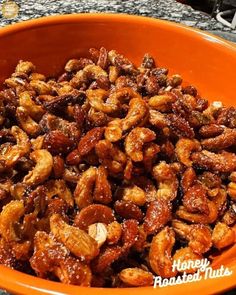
[[110, 172]]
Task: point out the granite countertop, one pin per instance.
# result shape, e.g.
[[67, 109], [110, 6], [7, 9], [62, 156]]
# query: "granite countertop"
[[164, 9]]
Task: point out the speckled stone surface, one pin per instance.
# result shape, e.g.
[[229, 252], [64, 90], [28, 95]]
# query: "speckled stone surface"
[[165, 9]]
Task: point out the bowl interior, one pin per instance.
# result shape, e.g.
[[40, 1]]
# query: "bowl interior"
[[202, 60]]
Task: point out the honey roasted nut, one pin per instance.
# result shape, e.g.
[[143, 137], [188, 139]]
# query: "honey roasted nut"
[[15, 152], [185, 254], [26, 101], [136, 277], [198, 235], [114, 232], [157, 215], [92, 214], [135, 195], [51, 256], [210, 217], [74, 239], [42, 169], [130, 232], [135, 141], [221, 162], [222, 141], [222, 235], [106, 258], [160, 253], [167, 181], [128, 210], [83, 193], [195, 199], [26, 122], [110, 172], [98, 231], [56, 142], [184, 148], [88, 142], [11, 213], [102, 191]]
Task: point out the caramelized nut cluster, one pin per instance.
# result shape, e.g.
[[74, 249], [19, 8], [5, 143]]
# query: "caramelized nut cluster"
[[110, 172]]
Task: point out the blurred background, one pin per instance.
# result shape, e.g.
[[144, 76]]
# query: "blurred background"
[[209, 6]]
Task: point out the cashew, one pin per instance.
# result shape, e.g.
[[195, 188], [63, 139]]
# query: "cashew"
[[158, 119], [52, 257], [113, 101], [221, 162], [110, 156], [135, 195], [89, 72], [223, 236], [136, 277], [58, 187], [18, 190], [96, 99], [185, 254], [122, 95], [135, 141], [138, 111], [72, 65], [41, 87], [17, 151], [183, 150], [65, 88], [160, 253], [83, 193], [35, 111], [231, 190], [37, 143], [167, 181], [113, 131], [113, 74], [198, 235], [42, 169], [25, 67], [95, 213], [11, 213], [37, 76], [94, 71], [98, 231], [26, 122], [15, 82], [162, 102], [74, 272], [76, 240], [197, 217]]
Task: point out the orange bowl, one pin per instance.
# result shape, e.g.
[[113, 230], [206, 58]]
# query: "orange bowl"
[[203, 60]]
